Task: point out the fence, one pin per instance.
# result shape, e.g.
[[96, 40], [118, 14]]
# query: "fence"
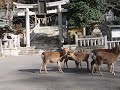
[[112, 43], [9, 45], [92, 43]]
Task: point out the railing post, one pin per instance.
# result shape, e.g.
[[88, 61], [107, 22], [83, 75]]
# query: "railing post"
[[105, 41]]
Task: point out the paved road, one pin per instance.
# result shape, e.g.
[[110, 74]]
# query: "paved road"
[[22, 73]]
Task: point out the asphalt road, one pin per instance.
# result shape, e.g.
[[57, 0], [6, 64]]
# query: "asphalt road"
[[22, 73]]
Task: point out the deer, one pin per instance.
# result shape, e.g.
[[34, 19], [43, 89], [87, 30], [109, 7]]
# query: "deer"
[[79, 56], [53, 57], [108, 57], [68, 58], [93, 53]]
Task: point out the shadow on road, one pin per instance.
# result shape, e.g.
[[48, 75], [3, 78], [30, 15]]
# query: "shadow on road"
[[55, 69]]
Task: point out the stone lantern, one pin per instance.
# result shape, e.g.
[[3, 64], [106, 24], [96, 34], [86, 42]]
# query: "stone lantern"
[[96, 31]]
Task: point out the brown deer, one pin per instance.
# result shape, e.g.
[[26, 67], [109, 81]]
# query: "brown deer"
[[79, 57], [108, 57], [53, 57], [93, 53], [68, 58]]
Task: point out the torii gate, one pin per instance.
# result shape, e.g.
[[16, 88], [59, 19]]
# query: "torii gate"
[[27, 13]]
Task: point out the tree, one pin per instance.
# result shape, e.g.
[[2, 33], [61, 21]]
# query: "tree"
[[85, 12], [115, 6]]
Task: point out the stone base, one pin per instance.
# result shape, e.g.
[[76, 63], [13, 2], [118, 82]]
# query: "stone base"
[[11, 52]]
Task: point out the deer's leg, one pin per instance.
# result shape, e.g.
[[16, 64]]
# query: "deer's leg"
[[59, 66], [77, 65], [87, 65], [45, 66], [41, 68], [65, 63], [81, 65], [109, 68], [100, 70], [92, 69], [113, 71]]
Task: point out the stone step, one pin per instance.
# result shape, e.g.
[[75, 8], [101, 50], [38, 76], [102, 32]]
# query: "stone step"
[[47, 31], [28, 51], [45, 37]]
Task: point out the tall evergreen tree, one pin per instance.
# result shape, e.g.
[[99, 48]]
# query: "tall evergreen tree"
[[85, 12]]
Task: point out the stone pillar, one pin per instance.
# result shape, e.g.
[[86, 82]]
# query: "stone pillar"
[[84, 31], [1, 47], [27, 28], [18, 40], [60, 24]]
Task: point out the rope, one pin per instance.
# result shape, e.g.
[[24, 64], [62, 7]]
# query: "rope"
[[44, 20]]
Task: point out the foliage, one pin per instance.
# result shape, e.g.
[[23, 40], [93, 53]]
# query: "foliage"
[[85, 12], [115, 6]]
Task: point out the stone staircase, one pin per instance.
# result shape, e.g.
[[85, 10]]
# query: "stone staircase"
[[45, 30], [45, 37], [28, 51]]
